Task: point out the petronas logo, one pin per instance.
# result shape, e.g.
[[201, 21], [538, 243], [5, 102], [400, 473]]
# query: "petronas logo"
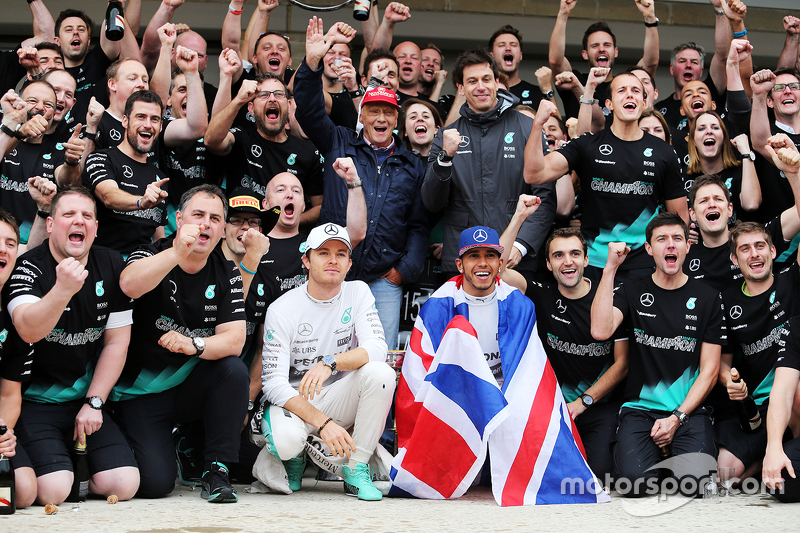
[[292, 158], [210, 291], [260, 289], [690, 304], [98, 288], [270, 333], [509, 137], [772, 297], [346, 317], [3, 335]]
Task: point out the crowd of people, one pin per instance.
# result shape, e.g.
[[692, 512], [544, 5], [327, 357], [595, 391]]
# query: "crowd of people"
[[203, 272]]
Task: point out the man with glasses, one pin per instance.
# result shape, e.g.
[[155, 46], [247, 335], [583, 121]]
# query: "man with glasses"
[[254, 157], [779, 91]]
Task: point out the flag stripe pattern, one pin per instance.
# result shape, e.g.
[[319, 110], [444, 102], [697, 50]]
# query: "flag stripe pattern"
[[451, 412]]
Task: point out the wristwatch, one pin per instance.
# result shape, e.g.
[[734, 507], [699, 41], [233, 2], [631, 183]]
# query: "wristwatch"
[[329, 361], [94, 402], [354, 185], [443, 157], [682, 417], [590, 101], [549, 95], [12, 133], [587, 400], [86, 135], [355, 94], [199, 345], [749, 155]]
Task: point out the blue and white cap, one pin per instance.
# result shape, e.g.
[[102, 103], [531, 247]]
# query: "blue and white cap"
[[326, 232], [479, 237]]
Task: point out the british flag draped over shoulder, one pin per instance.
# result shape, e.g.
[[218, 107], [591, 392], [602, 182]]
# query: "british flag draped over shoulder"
[[450, 410]]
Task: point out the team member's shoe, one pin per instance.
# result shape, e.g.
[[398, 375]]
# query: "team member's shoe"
[[216, 485], [358, 482], [294, 471], [190, 461]]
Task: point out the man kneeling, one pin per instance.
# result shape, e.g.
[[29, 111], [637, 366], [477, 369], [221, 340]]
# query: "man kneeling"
[[326, 331]]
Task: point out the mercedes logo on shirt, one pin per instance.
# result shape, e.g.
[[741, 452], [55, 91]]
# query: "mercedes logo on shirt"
[[464, 142], [480, 236], [694, 265], [647, 299], [606, 149], [561, 306], [736, 312], [127, 171], [330, 229], [256, 150], [305, 329], [115, 135]]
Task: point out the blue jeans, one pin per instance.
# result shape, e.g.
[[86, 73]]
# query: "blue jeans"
[[388, 299]]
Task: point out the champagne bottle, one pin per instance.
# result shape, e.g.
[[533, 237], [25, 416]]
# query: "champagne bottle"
[[361, 9], [80, 469], [8, 496], [115, 21], [746, 410]]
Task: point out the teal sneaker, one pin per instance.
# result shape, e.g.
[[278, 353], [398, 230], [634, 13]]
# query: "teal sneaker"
[[294, 471], [358, 482], [217, 487]]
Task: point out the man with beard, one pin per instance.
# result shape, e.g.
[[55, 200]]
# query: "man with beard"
[[73, 35], [505, 46], [27, 153], [254, 157], [130, 189], [475, 165], [600, 50]]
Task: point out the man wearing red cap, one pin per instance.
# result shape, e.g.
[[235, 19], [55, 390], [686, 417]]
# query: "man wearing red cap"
[[396, 242]]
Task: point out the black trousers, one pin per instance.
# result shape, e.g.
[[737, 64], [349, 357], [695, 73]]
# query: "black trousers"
[[215, 392], [635, 452], [597, 427]]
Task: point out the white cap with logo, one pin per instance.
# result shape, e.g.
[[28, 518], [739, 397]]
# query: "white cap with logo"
[[326, 232]]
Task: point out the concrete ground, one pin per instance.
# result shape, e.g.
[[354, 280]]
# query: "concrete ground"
[[325, 508]]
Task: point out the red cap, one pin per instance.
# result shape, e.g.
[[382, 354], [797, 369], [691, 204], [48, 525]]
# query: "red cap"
[[380, 94]]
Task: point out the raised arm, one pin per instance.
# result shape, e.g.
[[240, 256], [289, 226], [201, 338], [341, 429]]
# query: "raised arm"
[[750, 195], [193, 125], [605, 317], [395, 12], [539, 168], [218, 138], [761, 83], [259, 23], [356, 205], [69, 172], [43, 24], [649, 60], [558, 39], [526, 206], [161, 78], [588, 111], [735, 11], [229, 64], [786, 158], [788, 57], [151, 44], [232, 32]]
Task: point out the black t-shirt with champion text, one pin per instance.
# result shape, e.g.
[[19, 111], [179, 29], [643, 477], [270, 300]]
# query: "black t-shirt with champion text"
[[714, 267], [25, 161], [16, 355], [123, 230], [88, 76], [254, 161], [755, 326], [64, 360], [667, 332], [528, 93], [623, 185], [565, 329], [191, 304]]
